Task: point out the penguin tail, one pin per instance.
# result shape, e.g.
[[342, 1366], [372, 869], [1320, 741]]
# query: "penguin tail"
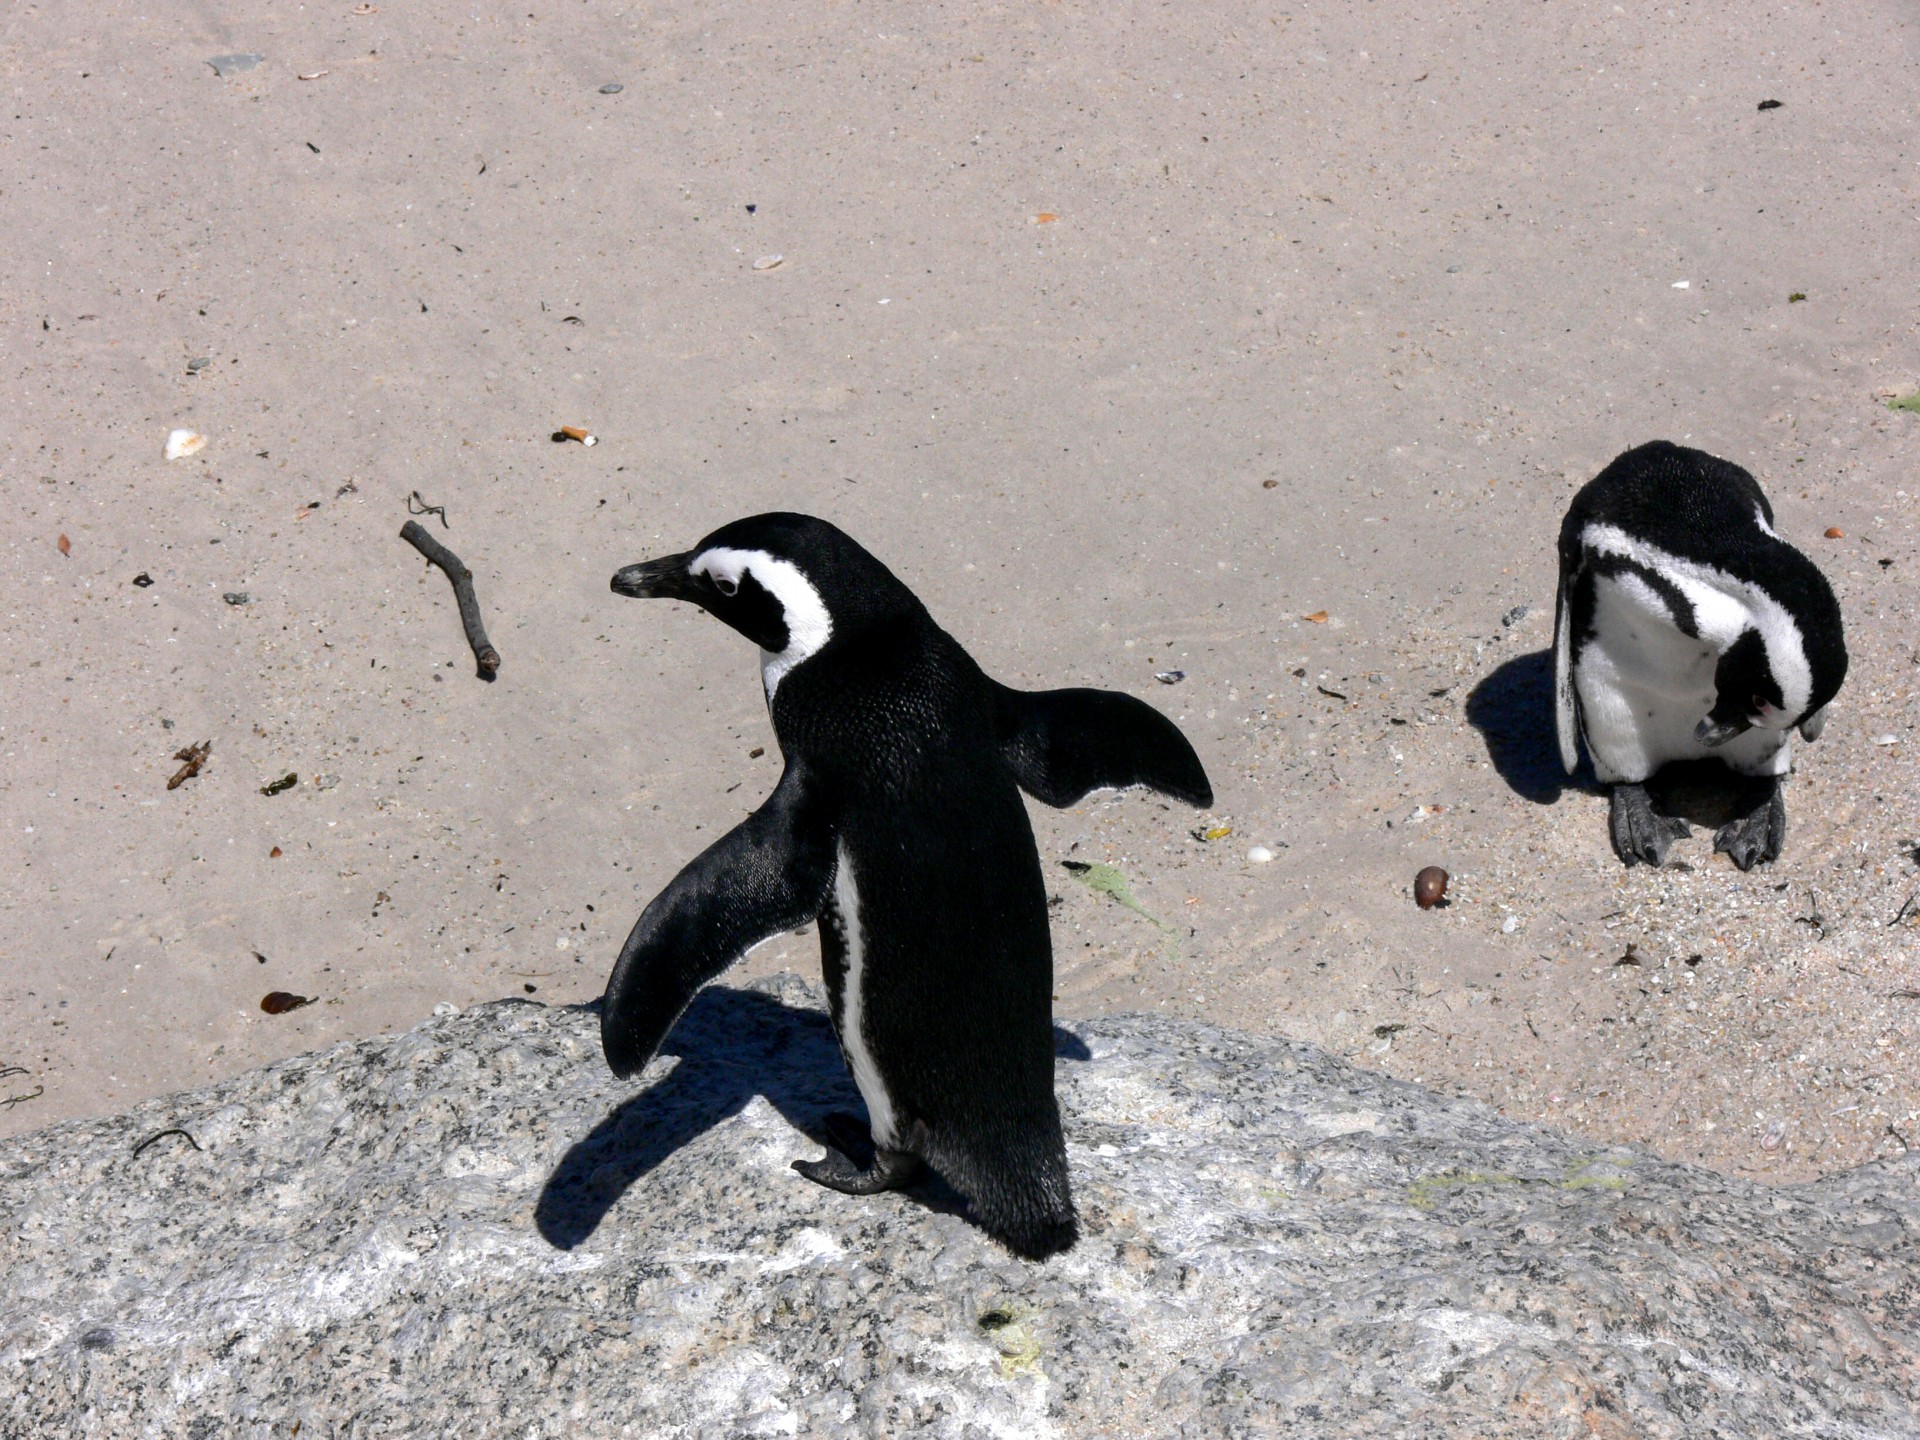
[[1015, 1184]]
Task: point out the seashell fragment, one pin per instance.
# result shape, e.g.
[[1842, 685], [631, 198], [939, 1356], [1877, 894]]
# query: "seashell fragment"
[[182, 443], [769, 262]]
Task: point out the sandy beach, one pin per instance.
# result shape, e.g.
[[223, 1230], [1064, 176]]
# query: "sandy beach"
[[1264, 348]]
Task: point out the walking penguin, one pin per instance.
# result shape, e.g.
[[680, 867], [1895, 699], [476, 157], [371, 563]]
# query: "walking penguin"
[[898, 823], [1686, 627]]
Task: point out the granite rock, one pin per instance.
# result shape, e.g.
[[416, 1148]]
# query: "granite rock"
[[473, 1229]]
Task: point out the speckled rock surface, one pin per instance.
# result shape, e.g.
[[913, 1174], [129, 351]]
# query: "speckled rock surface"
[[473, 1229]]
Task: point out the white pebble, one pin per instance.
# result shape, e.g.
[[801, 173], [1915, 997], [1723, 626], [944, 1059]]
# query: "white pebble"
[[1510, 924], [182, 443], [1259, 855], [769, 262], [1888, 739], [561, 943], [1683, 284]]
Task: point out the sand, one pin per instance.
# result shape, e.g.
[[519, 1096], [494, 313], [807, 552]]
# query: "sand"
[[1132, 339]]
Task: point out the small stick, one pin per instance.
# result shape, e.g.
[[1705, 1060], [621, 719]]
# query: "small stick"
[[1905, 906], [162, 1134], [195, 756], [416, 505], [484, 654]]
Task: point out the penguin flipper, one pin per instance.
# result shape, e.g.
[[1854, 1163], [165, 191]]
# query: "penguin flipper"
[[1064, 743], [1566, 712], [769, 873]]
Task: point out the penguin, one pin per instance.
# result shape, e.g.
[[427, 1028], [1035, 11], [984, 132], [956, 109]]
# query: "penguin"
[[897, 823], [1687, 628]]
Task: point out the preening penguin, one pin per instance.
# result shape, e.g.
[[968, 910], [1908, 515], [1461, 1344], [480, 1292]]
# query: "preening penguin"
[[1686, 627], [898, 823]]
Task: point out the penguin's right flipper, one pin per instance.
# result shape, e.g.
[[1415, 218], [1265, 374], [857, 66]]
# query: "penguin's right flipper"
[[1566, 712], [1064, 743], [769, 873]]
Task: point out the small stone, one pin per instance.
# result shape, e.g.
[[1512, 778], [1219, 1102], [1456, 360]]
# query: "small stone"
[[198, 363], [1170, 677], [327, 782], [612, 87], [1259, 854], [225, 65], [237, 597], [279, 1002], [1514, 616], [1510, 924], [143, 580], [1430, 887], [1887, 739], [446, 1007], [769, 262]]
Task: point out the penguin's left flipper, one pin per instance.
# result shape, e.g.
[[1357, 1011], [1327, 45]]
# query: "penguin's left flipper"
[[1757, 836], [1566, 708], [769, 873], [886, 1170], [1064, 743]]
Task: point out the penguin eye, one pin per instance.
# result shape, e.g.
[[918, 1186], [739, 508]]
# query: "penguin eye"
[[724, 585], [1760, 706]]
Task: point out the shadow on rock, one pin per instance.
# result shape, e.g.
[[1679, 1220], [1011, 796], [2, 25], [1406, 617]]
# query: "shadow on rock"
[[1513, 711], [732, 1046]]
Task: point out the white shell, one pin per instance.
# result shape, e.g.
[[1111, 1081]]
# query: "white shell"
[[1259, 854], [182, 443], [768, 262]]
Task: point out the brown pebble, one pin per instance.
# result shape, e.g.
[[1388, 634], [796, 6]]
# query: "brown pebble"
[[1834, 532], [279, 1002], [1269, 484], [274, 854], [1429, 887]]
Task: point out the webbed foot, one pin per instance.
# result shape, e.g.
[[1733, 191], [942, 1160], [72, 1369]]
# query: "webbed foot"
[[1639, 835], [1757, 836], [884, 1169]]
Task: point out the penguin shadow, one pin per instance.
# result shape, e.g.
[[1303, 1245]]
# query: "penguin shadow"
[[1706, 793], [732, 1045], [1512, 708]]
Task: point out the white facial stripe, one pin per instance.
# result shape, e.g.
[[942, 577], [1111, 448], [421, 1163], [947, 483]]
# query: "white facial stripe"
[[1723, 607], [808, 624]]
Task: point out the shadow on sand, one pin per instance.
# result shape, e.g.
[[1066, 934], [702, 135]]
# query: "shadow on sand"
[[1513, 711], [733, 1045]]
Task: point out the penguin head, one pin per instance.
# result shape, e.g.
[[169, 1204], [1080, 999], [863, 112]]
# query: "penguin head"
[[1771, 678], [789, 583]]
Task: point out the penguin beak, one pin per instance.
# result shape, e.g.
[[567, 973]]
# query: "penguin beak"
[[664, 579], [1712, 733]]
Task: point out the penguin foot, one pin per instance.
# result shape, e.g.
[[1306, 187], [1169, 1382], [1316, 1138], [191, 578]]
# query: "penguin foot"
[[885, 1170], [1640, 835], [1756, 837]]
